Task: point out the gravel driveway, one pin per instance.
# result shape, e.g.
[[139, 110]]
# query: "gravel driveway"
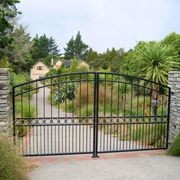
[[121, 166], [49, 137]]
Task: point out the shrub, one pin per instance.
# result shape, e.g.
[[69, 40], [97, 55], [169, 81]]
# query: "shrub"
[[66, 92], [4, 63], [28, 112], [123, 88], [12, 166], [140, 105], [16, 79], [84, 95], [52, 72], [105, 94], [21, 131], [87, 110], [77, 66], [154, 133], [175, 147], [84, 99]]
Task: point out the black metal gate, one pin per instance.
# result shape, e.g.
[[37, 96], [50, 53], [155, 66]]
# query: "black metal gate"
[[91, 112]]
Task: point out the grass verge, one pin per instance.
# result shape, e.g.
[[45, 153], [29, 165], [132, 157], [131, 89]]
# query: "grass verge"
[[12, 166]]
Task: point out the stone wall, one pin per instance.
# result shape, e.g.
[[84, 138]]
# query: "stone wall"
[[4, 100], [174, 83]]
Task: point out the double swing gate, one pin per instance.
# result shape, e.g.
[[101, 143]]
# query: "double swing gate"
[[90, 112]]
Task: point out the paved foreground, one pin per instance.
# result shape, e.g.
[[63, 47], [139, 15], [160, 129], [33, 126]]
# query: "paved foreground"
[[121, 166]]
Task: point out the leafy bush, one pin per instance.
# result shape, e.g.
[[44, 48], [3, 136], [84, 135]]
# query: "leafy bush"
[[12, 166], [53, 72], [175, 147], [123, 88], [153, 132], [16, 79], [77, 66], [140, 106], [66, 92], [4, 63], [21, 131]]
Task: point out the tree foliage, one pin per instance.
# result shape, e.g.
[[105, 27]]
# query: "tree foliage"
[[69, 51], [156, 60], [93, 58], [76, 48], [8, 12], [43, 48], [111, 59], [128, 66], [173, 40], [18, 52]]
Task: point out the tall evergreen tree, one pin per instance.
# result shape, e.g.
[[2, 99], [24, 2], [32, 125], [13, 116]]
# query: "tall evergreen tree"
[[76, 48], [53, 47], [80, 48], [44, 47], [69, 51]]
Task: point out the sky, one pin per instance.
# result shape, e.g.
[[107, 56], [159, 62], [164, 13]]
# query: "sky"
[[102, 23]]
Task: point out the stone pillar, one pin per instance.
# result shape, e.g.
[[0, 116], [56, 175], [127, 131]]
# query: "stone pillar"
[[174, 83], [4, 100]]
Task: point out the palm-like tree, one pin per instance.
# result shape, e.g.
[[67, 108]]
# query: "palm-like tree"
[[155, 61]]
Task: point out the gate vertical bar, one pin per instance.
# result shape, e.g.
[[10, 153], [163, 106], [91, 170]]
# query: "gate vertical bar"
[[95, 125], [168, 117], [13, 104]]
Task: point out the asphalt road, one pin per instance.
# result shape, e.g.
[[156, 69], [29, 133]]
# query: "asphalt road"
[[108, 167]]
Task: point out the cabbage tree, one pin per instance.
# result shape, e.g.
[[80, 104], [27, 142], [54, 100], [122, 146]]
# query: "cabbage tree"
[[155, 61]]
